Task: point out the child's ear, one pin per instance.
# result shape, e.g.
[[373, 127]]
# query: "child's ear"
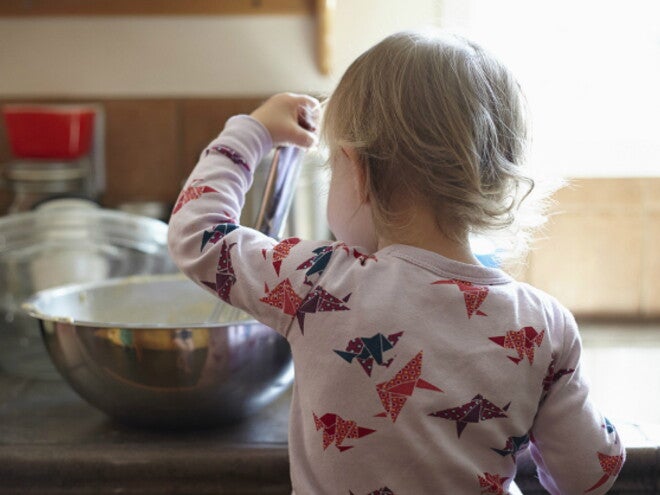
[[360, 171]]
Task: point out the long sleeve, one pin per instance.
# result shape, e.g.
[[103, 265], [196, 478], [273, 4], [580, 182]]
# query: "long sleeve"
[[267, 278], [576, 449]]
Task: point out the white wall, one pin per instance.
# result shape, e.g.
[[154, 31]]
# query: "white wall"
[[190, 56], [591, 68]]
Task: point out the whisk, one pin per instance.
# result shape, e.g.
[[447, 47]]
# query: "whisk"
[[275, 205]]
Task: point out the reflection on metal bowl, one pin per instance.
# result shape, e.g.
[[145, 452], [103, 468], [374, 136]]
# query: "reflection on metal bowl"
[[140, 349]]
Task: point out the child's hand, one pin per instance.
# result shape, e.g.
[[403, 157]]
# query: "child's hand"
[[290, 119]]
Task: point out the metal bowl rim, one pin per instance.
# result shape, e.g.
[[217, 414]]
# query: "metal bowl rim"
[[16, 222], [18, 218], [30, 307]]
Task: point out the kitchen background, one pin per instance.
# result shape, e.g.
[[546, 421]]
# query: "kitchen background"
[[591, 70]]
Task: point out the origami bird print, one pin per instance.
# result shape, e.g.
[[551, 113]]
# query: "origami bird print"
[[363, 257], [337, 429], [553, 376], [395, 392], [611, 465], [369, 349], [474, 295], [317, 301], [492, 484], [224, 275], [233, 155], [280, 252], [190, 193], [283, 296], [513, 446], [609, 427], [317, 263], [522, 341], [478, 409], [380, 491], [214, 235]]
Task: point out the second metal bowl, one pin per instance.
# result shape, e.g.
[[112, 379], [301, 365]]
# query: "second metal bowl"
[[66, 242]]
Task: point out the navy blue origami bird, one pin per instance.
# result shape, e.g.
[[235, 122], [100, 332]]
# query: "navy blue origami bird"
[[513, 446], [369, 349]]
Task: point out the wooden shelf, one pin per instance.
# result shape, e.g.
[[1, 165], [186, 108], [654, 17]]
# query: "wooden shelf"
[[37, 8], [323, 10]]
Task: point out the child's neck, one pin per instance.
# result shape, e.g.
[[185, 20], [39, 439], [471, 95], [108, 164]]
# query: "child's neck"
[[421, 231]]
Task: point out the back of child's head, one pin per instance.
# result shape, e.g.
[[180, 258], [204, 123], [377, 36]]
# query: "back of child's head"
[[436, 121]]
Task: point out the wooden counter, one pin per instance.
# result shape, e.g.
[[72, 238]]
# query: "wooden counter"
[[53, 443]]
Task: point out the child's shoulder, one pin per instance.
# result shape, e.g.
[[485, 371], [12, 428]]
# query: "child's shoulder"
[[543, 296], [555, 311]]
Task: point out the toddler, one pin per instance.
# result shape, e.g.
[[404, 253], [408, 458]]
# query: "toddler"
[[417, 369]]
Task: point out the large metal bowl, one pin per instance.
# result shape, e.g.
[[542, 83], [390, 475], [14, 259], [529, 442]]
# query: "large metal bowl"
[[155, 360], [66, 243]]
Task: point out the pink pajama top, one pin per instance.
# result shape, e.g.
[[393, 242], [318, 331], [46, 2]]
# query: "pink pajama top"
[[414, 373]]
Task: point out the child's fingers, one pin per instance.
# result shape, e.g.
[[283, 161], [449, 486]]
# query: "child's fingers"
[[290, 119], [305, 121], [308, 139], [307, 101], [308, 111], [298, 135], [308, 118]]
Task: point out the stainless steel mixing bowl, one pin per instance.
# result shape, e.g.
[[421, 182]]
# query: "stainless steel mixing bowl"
[[154, 360], [66, 243]]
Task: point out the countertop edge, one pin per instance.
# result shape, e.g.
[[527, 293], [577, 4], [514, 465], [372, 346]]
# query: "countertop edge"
[[125, 463]]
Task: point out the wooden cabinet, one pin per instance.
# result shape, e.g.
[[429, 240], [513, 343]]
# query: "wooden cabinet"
[[323, 11]]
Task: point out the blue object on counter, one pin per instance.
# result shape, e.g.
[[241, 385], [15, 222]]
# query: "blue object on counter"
[[486, 251]]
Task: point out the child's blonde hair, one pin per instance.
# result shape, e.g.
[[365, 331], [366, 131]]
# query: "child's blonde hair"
[[434, 118]]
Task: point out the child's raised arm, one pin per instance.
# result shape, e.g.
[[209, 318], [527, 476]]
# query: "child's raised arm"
[[242, 266]]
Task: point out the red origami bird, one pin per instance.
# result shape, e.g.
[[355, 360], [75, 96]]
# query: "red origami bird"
[[478, 409], [190, 193], [492, 484], [474, 295], [394, 393], [523, 341], [362, 257], [284, 297], [337, 429], [611, 465], [281, 251]]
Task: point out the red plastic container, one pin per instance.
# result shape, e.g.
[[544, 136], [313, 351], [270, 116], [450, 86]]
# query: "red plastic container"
[[61, 132]]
